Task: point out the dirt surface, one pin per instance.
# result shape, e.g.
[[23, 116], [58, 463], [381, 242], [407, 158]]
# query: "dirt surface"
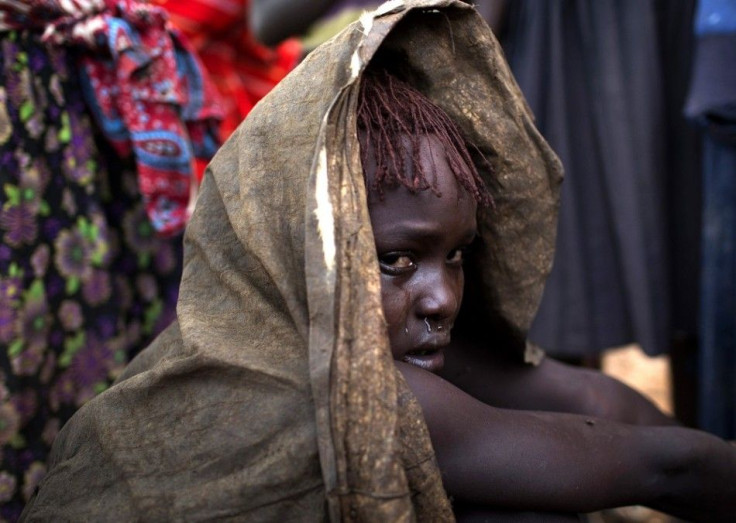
[[650, 376]]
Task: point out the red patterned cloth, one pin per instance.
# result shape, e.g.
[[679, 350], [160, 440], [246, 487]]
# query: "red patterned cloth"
[[242, 69], [144, 86]]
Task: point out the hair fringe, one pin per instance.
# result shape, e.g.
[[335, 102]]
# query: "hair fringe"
[[390, 111]]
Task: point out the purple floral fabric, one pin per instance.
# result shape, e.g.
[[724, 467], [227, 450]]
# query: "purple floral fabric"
[[84, 280]]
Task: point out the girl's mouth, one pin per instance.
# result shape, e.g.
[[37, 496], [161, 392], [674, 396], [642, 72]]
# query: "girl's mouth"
[[431, 360]]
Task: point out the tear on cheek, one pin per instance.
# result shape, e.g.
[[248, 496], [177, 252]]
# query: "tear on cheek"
[[396, 308]]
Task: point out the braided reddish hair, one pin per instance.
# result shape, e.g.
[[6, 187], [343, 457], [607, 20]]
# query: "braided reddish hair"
[[391, 114]]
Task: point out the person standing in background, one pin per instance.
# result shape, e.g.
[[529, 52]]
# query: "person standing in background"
[[101, 112], [606, 81], [711, 105]]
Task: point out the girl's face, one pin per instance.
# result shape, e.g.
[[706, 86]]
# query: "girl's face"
[[421, 240]]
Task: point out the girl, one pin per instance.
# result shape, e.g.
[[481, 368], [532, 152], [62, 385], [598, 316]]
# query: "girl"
[[275, 395]]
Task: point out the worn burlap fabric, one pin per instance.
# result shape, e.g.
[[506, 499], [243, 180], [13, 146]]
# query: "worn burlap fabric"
[[274, 397]]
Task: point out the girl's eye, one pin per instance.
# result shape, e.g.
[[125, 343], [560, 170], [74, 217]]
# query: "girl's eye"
[[396, 263], [456, 257]]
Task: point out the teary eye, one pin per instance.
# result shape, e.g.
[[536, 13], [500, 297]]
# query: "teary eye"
[[456, 256], [396, 263]]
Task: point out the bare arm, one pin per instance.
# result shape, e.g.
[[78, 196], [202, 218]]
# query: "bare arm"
[[273, 21], [569, 463], [550, 386]]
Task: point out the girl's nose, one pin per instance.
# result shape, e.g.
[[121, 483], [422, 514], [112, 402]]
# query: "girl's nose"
[[441, 294]]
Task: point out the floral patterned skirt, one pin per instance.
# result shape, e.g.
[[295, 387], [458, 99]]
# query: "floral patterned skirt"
[[84, 281]]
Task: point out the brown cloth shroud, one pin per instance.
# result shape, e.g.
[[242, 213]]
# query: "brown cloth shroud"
[[274, 396]]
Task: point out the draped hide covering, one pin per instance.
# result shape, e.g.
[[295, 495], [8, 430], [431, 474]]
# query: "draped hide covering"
[[274, 396]]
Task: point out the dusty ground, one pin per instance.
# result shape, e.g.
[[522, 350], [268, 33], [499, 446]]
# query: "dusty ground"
[[651, 377]]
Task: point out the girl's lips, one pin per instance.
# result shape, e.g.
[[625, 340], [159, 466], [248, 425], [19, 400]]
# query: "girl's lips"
[[431, 360]]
